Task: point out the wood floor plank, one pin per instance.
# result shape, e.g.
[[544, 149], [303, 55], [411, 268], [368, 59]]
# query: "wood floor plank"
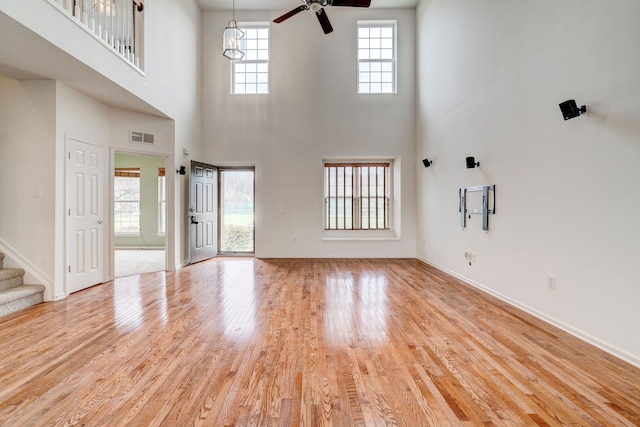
[[302, 342]]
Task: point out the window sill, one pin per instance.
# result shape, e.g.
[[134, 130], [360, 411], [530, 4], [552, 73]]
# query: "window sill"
[[360, 235], [126, 234]]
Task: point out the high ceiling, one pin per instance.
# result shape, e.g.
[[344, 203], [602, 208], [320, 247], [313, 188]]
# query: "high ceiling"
[[286, 5]]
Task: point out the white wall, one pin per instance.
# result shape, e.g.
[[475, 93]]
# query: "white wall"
[[312, 112], [170, 84], [27, 177], [491, 77], [36, 120], [82, 118]]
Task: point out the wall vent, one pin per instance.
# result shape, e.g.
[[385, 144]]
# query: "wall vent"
[[141, 138]]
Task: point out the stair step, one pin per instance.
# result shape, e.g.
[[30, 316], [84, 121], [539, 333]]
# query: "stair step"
[[19, 297], [11, 277]]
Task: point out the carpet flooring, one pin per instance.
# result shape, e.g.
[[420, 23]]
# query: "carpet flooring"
[[129, 262]]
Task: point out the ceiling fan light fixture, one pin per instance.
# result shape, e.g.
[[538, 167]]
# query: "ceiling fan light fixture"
[[317, 6]]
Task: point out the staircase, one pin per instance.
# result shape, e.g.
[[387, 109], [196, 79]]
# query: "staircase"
[[14, 295]]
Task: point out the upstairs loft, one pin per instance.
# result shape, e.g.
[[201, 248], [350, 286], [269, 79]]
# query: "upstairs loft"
[[118, 24]]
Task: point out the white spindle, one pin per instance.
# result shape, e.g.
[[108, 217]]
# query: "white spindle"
[[92, 19], [129, 26], [110, 20]]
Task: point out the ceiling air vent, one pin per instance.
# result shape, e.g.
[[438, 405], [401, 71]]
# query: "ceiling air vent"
[[141, 138]]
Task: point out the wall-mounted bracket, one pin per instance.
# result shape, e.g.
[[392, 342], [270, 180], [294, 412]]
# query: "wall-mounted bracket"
[[484, 211]]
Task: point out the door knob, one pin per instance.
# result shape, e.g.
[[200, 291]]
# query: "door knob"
[[100, 221], [194, 220]]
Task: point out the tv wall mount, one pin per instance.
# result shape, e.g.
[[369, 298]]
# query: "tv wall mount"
[[485, 211]]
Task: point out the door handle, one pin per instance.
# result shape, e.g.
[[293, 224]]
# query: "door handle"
[[100, 221], [194, 220]]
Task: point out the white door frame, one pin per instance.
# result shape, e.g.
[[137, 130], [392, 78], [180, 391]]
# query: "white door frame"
[[169, 237]]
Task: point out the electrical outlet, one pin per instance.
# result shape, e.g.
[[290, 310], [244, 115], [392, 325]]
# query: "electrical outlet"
[[551, 282]]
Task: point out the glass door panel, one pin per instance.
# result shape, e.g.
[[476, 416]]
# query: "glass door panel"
[[237, 210]]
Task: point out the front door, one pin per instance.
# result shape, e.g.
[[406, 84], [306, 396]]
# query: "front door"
[[85, 224], [202, 212]]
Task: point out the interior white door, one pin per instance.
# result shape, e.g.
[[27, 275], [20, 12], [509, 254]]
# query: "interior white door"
[[85, 224], [202, 212]]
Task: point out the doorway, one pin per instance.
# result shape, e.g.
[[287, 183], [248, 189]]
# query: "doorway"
[[139, 214], [236, 210]]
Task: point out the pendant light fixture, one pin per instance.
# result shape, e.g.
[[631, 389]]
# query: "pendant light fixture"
[[232, 38]]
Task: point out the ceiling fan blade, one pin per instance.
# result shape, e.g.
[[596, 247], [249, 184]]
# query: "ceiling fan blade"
[[351, 3], [290, 13], [324, 21]]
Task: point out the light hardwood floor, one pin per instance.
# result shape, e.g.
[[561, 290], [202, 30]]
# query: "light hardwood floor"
[[242, 341]]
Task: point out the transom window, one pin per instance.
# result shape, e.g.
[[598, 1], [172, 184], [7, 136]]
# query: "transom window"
[[251, 73], [376, 57], [356, 196]]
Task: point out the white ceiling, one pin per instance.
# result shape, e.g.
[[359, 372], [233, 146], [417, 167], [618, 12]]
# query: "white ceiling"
[[286, 5]]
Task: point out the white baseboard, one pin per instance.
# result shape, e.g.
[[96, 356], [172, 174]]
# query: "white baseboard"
[[179, 266], [602, 345], [32, 273], [139, 248]]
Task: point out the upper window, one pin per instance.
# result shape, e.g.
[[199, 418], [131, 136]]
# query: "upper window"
[[376, 57], [126, 203], [357, 196], [251, 73]]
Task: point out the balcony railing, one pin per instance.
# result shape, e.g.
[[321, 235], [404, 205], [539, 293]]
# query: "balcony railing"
[[117, 23]]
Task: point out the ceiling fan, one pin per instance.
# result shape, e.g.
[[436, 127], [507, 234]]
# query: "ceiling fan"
[[318, 7]]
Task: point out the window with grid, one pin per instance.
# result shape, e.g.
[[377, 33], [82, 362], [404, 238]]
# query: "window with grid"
[[356, 196], [126, 203], [162, 202], [251, 73], [376, 57]]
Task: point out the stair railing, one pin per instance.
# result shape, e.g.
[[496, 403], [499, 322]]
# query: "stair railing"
[[117, 23]]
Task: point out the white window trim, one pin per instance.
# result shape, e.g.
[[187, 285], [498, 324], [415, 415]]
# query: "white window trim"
[[162, 204], [250, 25], [129, 233], [393, 233], [379, 23]]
